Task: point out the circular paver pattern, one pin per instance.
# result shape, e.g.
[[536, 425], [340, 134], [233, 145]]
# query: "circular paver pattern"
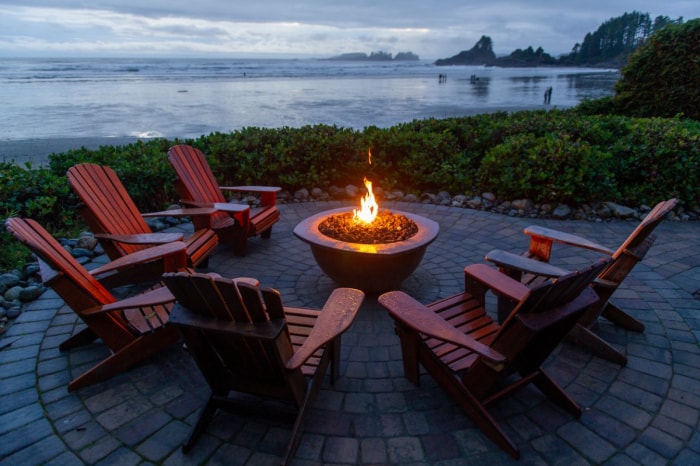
[[646, 412]]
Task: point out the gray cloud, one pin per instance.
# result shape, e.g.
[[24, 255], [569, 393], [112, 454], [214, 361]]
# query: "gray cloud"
[[310, 27]]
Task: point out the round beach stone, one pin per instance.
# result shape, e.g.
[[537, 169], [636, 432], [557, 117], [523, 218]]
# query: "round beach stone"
[[81, 252], [12, 294], [31, 269], [352, 191], [86, 242], [561, 211], [9, 280], [302, 195], [522, 204], [30, 293], [620, 211]]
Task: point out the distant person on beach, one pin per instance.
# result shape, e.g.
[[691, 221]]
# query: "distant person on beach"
[[548, 95]]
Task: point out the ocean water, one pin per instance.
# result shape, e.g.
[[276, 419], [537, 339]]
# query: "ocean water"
[[58, 98]]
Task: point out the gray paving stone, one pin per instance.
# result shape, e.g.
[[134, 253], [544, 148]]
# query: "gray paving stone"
[[163, 442], [405, 450], [25, 436], [592, 445], [20, 417], [341, 450], [42, 452], [661, 442]]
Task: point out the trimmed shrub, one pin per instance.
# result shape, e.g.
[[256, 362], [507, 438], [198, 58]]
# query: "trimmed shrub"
[[556, 156]]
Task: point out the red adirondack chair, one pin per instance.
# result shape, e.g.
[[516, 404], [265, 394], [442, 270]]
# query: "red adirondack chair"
[[234, 223], [133, 328], [244, 340], [533, 267], [121, 229], [478, 361]]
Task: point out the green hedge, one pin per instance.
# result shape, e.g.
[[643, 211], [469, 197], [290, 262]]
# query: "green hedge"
[[550, 156]]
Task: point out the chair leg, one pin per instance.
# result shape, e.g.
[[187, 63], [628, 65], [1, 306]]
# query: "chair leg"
[[583, 336], [619, 317], [239, 245], [313, 389], [136, 351], [203, 264], [83, 337], [468, 401], [267, 234], [409, 353], [200, 426], [555, 393], [479, 415], [333, 348]]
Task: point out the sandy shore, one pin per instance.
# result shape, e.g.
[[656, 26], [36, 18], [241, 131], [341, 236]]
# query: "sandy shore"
[[36, 151]]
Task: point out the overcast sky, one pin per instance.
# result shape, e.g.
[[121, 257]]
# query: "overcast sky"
[[307, 28]]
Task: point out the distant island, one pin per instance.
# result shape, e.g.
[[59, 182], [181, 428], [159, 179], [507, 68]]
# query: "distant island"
[[609, 46], [376, 56], [482, 54]]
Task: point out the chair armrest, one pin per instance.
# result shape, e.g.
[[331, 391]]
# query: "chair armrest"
[[144, 238], [155, 297], [252, 189], [510, 261], [335, 318], [416, 316], [195, 204], [537, 321], [231, 207], [175, 251], [556, 236], [268, 194], [188, 212], [496, 281]]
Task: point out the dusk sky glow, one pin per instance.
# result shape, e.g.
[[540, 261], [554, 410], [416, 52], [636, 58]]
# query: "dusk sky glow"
[[308, 28]]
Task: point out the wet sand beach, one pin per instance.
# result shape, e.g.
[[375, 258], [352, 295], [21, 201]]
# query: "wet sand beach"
[[37, 151]]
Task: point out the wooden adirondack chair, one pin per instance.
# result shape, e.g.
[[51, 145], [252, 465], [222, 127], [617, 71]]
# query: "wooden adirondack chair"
[[244, 340], [117, 223], [233, 223], [473, 358], [133, 328], [627, 255]]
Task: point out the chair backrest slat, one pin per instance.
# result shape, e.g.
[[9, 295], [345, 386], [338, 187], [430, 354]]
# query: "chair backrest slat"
[[195, 174], [546, 297], [111, 208], [646, 227], [241, 360], [49, 250]]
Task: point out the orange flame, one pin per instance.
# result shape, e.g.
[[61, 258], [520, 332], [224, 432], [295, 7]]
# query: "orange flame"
[[369, 208]]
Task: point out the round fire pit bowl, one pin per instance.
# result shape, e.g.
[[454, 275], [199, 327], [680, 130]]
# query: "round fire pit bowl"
[[368, 267]]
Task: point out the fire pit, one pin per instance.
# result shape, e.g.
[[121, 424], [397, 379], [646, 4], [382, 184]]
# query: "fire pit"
[[371, 267]]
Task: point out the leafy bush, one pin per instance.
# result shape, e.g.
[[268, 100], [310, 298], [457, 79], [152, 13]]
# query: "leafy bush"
[[36, 193], [655, 156], [550, 168], [661, 77], [548, 156]]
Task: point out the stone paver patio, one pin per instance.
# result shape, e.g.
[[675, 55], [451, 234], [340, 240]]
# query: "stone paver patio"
[[644, 413]]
